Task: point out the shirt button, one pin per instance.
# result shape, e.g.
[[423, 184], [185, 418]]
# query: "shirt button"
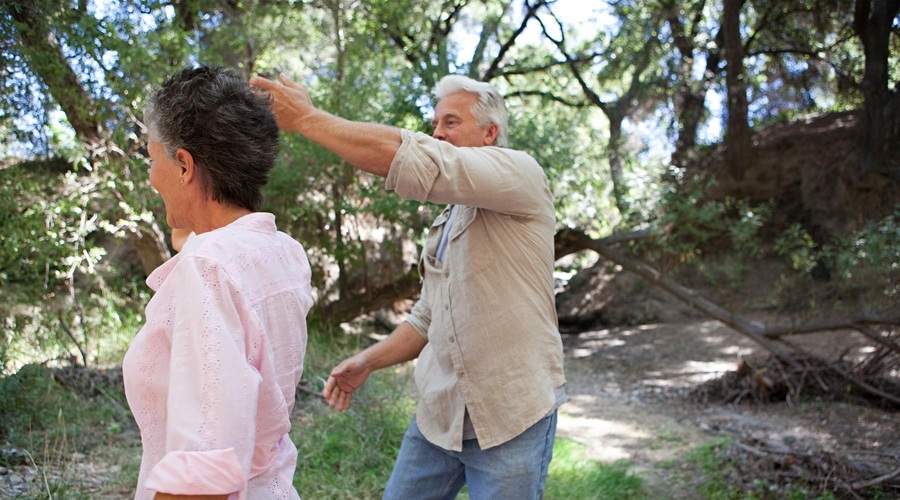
[[452, 339], [459, 374], [446, 307]]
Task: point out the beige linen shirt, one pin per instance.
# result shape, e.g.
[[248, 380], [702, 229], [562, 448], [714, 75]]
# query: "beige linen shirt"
[[488, 310]]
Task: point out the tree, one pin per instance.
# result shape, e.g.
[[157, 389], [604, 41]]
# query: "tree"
[[89, 116], [738, 137], [576, 96], [874, 22], [627, 64], [691, 43]]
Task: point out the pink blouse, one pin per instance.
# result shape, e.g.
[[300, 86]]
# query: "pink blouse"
[[211, 376]]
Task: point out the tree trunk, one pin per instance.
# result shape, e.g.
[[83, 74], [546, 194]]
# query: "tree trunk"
[[47, 60], [350, 307], [873, 22], [690, 107], [616, 171], [738, 145], [690, 96], [149, 242]]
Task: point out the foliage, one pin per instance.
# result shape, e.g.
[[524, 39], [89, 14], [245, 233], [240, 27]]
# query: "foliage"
[[697, 226], [571, 160], [60, 292], [348, 454], [725, 242], [870, 257], [597, 94], [862, 267]]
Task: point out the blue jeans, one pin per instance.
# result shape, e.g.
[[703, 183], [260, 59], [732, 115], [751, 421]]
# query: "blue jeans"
[[515, 470]]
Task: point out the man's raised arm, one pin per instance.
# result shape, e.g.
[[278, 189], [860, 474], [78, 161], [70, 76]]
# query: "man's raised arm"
[[367, 146]]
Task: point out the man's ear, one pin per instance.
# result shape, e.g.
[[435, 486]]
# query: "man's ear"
[[490, 134], [186, 160]]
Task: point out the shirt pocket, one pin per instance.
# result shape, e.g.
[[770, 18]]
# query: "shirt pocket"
[[471, 250]]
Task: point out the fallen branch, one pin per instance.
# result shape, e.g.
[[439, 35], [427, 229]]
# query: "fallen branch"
[[859, 485], [568, 240], [754, 330]]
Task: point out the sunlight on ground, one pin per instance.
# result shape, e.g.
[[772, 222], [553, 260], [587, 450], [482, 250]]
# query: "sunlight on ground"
[[691, 372], [614, 431], [608, 432]]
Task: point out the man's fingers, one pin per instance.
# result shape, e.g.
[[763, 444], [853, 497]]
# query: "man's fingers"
[[329, 386], [344, 401], [263, 83], [287, 82]]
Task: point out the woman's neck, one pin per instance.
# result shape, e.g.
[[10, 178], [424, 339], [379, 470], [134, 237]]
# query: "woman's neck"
[[217, 215]]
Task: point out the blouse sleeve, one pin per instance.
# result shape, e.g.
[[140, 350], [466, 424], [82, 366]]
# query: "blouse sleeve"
[[213, 390]]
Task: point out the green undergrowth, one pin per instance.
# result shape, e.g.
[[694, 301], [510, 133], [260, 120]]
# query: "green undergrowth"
[[57, 423]]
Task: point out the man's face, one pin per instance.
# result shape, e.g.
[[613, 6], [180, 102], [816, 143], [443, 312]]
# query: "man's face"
[[454, 122]]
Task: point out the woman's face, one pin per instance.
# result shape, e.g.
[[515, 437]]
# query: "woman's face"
[[165, 177]]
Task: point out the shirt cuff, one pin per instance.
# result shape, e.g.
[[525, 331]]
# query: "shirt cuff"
[[215, 472]]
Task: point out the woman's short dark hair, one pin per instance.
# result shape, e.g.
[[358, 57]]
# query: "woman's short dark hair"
[[228, 128]]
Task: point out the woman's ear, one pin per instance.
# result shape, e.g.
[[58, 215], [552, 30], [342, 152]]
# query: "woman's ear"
[[186, 160]]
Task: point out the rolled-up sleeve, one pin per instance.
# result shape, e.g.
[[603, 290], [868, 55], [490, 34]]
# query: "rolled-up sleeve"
[[498, 179], [213, 390], [420, 316]]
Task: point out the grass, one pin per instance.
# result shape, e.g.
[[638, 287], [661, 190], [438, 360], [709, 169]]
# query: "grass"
[[348, 455], [572, 476], [62, 432]]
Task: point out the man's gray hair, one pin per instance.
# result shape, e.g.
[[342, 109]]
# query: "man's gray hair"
[[490, 108]]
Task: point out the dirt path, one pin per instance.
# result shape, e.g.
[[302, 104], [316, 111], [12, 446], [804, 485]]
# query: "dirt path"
[[627, 388]]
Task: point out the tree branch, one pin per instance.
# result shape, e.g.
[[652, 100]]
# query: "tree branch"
[[751, 329], [529, 14], [548, 95]]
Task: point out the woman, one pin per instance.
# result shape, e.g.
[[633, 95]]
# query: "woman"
[[211, 376]]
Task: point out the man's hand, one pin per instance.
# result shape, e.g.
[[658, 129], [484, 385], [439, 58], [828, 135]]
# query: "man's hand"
[[346, 378], [290, 102]]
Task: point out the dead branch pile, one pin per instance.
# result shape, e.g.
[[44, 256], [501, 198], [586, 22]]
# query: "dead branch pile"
[[845, 475], [766, 379]]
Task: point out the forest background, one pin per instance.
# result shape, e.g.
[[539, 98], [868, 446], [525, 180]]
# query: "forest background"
[[694, 144]]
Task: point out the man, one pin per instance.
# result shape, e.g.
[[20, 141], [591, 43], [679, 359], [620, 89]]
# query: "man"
[[490, 364]]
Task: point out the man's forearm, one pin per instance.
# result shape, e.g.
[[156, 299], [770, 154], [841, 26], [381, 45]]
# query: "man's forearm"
[[367, 146], [403, 344]]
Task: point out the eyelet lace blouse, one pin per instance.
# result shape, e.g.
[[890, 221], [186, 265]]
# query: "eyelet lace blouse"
[[212, 374]]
